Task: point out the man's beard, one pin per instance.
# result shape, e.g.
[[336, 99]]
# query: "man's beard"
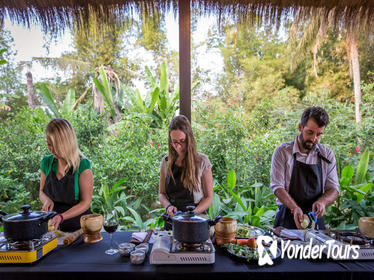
[[304, 143]]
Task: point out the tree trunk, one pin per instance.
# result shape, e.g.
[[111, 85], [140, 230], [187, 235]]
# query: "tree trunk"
[[30, 90], [98, 101], [353, 53]]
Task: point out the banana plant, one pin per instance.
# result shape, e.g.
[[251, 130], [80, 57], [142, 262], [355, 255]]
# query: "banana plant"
[[163, 103], [105, 88], [249, 210], [356, 197], [53, 111]]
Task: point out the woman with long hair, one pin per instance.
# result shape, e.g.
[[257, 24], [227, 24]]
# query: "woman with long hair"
[[66, 179], [186, 175]]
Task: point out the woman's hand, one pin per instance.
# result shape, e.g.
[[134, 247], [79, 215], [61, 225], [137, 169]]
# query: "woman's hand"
[[171, 210], [56, 221], [48, 204]]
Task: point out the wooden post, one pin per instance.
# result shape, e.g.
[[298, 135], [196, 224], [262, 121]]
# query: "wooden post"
[[185, 57]]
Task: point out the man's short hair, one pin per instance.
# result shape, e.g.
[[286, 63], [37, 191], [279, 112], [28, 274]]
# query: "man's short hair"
[[318, 114]]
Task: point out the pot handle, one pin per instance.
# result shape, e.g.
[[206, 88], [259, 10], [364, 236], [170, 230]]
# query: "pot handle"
[[166, 217], [214, 221], [2, 213], [50, 215]]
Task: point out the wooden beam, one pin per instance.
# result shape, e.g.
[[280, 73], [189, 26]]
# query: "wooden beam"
[[185, 57]]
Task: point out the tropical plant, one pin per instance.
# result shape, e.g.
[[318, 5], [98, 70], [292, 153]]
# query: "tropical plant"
[[109, 88], [162, 105], [356, 197], [250, 205], [53, 109]]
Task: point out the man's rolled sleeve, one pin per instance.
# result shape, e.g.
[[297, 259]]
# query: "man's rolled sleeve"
[[278, 170], [332, 180]]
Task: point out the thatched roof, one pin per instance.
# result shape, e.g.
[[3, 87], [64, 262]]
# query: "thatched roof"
[[58, 14]]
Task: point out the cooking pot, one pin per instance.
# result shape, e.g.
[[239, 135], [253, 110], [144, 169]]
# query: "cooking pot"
[[190, 228], [26, 225]]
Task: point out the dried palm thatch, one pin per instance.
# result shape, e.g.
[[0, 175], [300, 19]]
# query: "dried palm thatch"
[[56, 15]]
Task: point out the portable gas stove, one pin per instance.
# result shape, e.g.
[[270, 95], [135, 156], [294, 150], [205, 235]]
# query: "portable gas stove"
[[167, 250], [343, 237], [26, 251]]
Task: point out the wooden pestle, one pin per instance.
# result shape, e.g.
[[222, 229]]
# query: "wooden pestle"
[[71, 237]]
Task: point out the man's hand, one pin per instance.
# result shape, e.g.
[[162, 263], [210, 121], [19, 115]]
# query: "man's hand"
[[319, 208], [298, 217]]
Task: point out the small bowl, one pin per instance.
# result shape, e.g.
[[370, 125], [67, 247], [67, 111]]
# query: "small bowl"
[[366, 226], [125, 249], [143, 246], [137, 256]]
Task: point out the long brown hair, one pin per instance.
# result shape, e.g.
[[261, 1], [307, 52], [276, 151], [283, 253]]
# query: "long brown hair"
[[191, 161], [62, 135]]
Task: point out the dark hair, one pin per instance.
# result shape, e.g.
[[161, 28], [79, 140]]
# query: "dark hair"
[[318, 114]]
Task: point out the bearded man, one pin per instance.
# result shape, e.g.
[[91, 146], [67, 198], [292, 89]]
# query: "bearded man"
[[303, 173]]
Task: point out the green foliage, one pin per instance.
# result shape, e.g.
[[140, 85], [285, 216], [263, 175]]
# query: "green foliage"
[[356, 197], [254, 205], [162, 104], [53, 111]]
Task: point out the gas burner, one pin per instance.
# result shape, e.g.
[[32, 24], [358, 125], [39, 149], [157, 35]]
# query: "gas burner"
[[177, 246], [28, 245]]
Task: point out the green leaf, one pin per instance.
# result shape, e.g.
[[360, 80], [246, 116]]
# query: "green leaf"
[[260, 212], [46, 95], [215, 207], [119, 182], [139, 101], [106, 86], [138, 219], [150, 77], [231, 180], [164, 87], [346, 176], [67, 106], [362, 167], [154, 99], [364, 190], [120, 210]]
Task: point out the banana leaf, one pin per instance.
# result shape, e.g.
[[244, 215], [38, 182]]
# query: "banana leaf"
[[47, 98], [362, 168]]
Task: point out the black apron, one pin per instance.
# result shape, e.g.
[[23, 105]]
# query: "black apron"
[[178, 195], [306, 186], [62, 193]]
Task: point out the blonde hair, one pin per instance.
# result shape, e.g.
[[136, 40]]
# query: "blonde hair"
[[192, 161], [64, 142]]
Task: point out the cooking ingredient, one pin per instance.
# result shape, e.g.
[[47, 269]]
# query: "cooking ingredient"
[[243, 251], [137, 256], [252, 243], [243, 241], [248, 231], [305, 222]]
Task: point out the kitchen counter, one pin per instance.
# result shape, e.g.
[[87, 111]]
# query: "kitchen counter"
[[88, 261]]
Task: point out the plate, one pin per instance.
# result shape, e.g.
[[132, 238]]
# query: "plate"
[[247, 231], [251, 252]]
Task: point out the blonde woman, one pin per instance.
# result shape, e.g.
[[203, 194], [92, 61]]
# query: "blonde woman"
[[186, 175], [66, 179]]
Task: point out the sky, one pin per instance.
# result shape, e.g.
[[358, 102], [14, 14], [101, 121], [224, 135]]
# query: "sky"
[[29, 43]]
